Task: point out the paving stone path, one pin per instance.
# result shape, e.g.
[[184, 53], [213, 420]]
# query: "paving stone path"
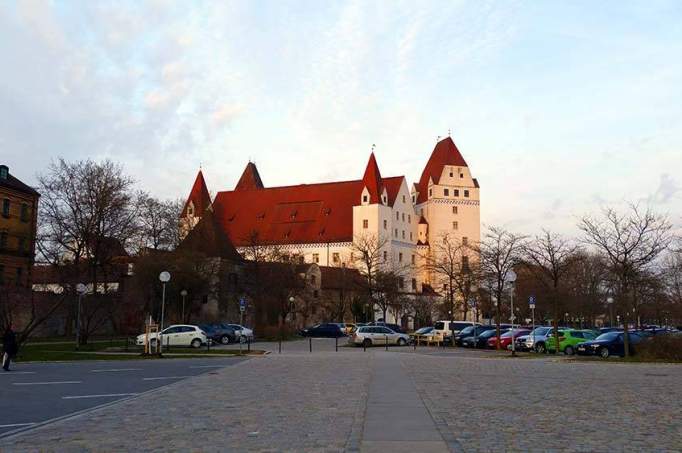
[[388, 401]]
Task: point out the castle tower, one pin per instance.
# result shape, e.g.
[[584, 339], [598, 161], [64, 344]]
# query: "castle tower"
[[447, 196], [197, 203]]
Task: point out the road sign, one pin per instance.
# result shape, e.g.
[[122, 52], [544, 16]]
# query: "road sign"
[[242, 305], [531, 302]]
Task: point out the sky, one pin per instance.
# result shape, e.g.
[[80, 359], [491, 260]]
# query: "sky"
[[559, 107]]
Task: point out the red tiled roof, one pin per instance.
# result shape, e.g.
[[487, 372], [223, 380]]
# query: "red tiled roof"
[[208, 238], [306, 213], [445, 153], [250, 178], [372, 180], [199, 196]]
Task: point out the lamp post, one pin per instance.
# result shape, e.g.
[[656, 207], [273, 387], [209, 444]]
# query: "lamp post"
[[510, 278], [80, 289], [183, 293], [165, 278], [609, 302]]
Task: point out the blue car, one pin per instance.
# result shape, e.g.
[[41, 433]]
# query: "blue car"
[[608, 344]]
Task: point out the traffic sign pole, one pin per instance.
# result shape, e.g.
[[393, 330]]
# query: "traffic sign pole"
[[531, 303]]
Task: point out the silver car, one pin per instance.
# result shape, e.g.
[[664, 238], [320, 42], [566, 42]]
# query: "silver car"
[[377, 335]]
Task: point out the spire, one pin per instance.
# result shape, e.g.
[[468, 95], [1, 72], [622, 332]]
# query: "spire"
[[372, 180], [250, 178], [445, 153], [199, 197]]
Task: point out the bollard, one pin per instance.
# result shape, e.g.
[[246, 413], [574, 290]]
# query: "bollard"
[[280, 344], [167, 344], [386, 341], [248, 344], [336, 344], [414, 344], [364, 346], [310, 344]]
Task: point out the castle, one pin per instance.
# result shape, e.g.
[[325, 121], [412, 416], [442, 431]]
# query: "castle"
[[319, 223]]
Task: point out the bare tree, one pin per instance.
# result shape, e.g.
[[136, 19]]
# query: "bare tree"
[[550, 255], [158, 222], [500, 251], [631, 242], [368, 259], [21, 306]]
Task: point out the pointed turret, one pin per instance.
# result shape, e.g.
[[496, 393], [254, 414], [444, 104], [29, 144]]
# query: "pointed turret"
[[372, 180], [445, 153], [250, 178], [199, 199]]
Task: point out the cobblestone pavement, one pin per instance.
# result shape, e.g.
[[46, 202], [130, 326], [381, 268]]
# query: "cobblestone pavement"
[[304, 402]]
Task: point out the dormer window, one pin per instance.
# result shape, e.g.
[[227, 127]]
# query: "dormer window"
[[4, 172], [383, 199], [451, 174], [403, 198], [364, 198], [190, 210], [430, 192], [461, 175]]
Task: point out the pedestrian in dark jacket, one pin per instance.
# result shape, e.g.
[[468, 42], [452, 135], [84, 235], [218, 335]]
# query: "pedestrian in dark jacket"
[[9, 347]]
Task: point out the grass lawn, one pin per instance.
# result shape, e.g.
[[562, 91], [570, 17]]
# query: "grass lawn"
[[106, 350]]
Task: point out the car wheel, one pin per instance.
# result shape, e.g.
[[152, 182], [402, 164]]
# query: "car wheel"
[[569, 350], [225, 339], [367, 342], [540, 348], [196, 343], [401, 342], [604, 353]]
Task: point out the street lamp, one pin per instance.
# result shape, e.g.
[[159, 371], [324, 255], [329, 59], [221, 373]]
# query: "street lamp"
[[609, 302], [80, 289], [183, 293], [510, 278], [165, 278]]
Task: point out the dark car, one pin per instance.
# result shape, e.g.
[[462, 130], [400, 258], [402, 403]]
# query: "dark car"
[[327, 330], [394, 327], [481, 341], [607, 344], [471, 331], [219, 333]]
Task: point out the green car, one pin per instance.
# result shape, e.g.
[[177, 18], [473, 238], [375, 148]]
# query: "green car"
[[568, 339]]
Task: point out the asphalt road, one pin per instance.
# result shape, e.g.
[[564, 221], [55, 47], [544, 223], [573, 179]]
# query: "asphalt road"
[[34, 393]]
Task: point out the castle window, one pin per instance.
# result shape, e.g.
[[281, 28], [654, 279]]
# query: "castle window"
[[413, 259], [385, 256], [383, 198], [451, 174], [455, 225], [385, 224], [397, 216], [466, 193], [403, 198], [316, 257], [395, 232], [409, 218], [403, 216], [403, 234], [410, 235], [5, 207], [446, 192], [400, 257], [364, 198], [465, 263], [454, 209], [190, 210], [4, 172], [3, 240], [456, 192], [24, 212], [365, 224], [335, 257], [461, 175], [414, 284], [414, 199], [465, 240], [430, 192]]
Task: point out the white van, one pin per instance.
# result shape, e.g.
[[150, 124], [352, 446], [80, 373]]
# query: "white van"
[[446, 329]]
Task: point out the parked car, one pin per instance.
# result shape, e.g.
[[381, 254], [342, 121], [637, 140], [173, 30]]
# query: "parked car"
[[219, 333], [541, 340], [326, 330], [506, 338], [241, 331], [422, 334], [449, 328], [568, 340], [527, 342], [607, 344], [346, 327], [393, 327], [471, 331], [377, 335], [481, 341], [176, 335]]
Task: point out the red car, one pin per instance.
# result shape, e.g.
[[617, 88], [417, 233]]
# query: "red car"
[[506, 338]]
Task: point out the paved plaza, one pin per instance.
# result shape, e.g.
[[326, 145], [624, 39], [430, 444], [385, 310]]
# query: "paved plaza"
[[400, 400]]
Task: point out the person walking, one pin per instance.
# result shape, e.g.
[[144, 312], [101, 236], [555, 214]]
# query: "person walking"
[[9, 347]]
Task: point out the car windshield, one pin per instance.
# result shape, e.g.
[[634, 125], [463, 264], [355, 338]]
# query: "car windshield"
[[489, 333], [467, 330], [516, 332], [439, 325], [608, 336], [424, 330], [541, 330], [205, 327]]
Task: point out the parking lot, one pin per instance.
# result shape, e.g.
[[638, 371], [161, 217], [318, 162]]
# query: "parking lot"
[[35, 393], [433, 400]]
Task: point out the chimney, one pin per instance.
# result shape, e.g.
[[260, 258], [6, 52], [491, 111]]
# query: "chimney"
[[4, 172]]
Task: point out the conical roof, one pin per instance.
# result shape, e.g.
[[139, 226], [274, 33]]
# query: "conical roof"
[[250, 178], [445, 153], [199, 196], [372, 180]]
